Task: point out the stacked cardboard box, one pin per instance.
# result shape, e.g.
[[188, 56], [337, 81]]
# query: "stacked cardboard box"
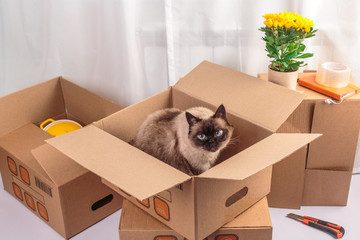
[[321, 173], [253, 224], [195, 206], [63, 194]]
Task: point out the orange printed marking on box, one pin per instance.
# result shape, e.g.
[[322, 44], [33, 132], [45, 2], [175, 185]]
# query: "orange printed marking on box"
[[29, 201], [42, 211], [161, 208], [203, 239], [24, 175], [226, 237], [12, 166], [165, 238], [18, 191]]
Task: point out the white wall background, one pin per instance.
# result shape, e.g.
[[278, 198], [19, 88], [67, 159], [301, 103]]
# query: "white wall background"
[[127, 50]]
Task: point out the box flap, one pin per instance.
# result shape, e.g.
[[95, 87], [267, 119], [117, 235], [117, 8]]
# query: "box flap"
[[58, 167], [337, 149], [118, 162], [31, 105], [85, 105], [259, 156], [20, 142], [259, 101]]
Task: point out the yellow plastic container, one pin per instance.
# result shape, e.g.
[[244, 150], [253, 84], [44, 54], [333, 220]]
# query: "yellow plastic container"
[[59, 127]]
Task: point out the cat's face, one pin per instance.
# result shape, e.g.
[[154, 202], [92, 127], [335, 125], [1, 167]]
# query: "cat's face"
[[211, 134]]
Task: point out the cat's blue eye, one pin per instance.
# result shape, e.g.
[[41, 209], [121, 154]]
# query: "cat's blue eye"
[[218, 133], [201, 136]]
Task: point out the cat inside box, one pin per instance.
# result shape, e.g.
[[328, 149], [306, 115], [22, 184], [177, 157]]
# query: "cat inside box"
[[189, 140]]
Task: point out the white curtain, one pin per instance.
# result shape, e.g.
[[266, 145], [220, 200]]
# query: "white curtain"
[[127, 50]]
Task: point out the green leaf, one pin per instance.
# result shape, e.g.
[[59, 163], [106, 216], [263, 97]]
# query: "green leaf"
[[295, 65], [305, 55], [271, 48], [269, 39], [290, 56], [301, 47], [292, 47]]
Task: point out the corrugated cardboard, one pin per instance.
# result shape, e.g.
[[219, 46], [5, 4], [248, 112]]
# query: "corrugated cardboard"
[[194, 206], [320, 174], [253, 224], [59, 191]]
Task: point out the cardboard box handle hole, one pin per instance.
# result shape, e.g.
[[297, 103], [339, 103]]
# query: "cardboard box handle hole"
[[236, 197], [102, 202]]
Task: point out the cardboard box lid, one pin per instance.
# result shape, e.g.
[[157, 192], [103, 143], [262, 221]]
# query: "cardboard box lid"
[[20, 142], [118, 162], [59, 168], [259, 156], [84, 104], [31, 105], [143, 176], [52, 98], [259, 101]]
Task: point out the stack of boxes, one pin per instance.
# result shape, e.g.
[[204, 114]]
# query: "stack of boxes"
[[162, 202], [321, 174]]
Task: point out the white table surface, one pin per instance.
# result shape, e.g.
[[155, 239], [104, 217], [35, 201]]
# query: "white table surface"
[[17, 222]]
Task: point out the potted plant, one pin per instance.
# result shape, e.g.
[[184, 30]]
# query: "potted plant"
[[284, 36]]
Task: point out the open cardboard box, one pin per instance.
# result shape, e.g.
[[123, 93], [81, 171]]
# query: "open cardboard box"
[[63, 194], [253, 224], [321, 174], [194, 206]]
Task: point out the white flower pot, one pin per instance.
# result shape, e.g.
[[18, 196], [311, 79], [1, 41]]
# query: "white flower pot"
[[286, 79]]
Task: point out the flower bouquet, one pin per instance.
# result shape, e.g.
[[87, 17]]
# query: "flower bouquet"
[[284, 34]]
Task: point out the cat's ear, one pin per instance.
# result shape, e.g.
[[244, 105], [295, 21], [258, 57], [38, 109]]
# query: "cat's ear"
[[220, 112], [191, 119]]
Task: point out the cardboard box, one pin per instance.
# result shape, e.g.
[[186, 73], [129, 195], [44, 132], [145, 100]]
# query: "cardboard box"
[[253, 224], [63, 194], [194, 206], [320, 174]]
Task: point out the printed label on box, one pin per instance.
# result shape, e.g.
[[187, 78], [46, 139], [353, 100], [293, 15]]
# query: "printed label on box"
[[43, 186], [42, 211], [12, 166], [24, 175], [29, 201], [161, 208], [18, 191]]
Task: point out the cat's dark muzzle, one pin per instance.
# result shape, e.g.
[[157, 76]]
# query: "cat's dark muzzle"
[[211, 148]]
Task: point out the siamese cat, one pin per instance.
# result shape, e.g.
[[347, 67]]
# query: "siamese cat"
[[188, 140]]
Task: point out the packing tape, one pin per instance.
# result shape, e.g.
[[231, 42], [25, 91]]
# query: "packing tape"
[[332, 74]]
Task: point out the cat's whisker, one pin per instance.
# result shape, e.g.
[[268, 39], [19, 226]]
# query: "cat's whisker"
[[235, 140]]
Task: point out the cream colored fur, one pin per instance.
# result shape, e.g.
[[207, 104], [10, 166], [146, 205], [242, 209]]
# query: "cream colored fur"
[[197, 157]]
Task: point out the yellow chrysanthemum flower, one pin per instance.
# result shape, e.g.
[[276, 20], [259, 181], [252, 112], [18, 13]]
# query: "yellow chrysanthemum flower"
[[287, 20]]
